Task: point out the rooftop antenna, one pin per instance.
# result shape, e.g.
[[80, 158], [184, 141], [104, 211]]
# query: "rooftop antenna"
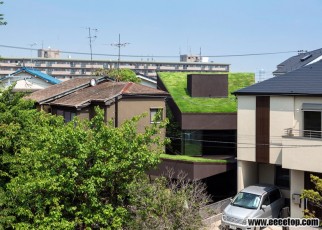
[[91, 39], [119, 45], [200, 55]]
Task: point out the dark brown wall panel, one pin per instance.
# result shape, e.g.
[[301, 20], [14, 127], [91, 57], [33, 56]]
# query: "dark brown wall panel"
[[207, 85], [209, 121], [262, 128]]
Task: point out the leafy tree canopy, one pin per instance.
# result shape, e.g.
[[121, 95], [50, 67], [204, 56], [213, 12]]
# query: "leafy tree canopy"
[[68, 176], [119, 74], [314, 196]]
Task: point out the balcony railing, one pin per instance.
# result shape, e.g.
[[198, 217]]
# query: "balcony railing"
[[290, 132]]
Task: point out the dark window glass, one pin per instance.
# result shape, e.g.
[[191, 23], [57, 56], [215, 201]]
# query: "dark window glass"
[[274, 195], [312, 124], [282, 177], [266, 200]]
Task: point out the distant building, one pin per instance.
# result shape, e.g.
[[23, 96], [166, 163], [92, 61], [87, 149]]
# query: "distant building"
[[193, 58], [298, 61], [28, 80], [72, 68], [48, 53]]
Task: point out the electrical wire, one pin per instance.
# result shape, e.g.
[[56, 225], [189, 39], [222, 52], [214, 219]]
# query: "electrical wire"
[[158, 56]]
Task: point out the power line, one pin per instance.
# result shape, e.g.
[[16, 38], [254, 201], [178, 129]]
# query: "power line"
[[250, 145], [158, 56]]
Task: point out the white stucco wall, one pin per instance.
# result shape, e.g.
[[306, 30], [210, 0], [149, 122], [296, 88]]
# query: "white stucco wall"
[[281, 118], [297, 186], [247, 174], [246, 128]]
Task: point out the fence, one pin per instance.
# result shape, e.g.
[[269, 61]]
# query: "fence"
[[212, 212]]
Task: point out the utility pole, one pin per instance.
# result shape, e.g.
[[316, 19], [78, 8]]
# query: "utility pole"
[[119, 45], [91, 39], [31, 45]]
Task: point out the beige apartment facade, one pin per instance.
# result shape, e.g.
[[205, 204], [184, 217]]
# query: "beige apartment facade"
[[68, 68]]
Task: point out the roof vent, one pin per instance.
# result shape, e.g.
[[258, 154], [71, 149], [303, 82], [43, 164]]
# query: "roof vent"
[[306, 57], [93, 82]]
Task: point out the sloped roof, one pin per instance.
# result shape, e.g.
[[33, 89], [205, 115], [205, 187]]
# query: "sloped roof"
[[37, 73], [297, 61], [57, 90], [304, 81], [106, 91]]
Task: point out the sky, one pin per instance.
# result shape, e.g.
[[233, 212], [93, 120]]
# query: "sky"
[[166, 28]]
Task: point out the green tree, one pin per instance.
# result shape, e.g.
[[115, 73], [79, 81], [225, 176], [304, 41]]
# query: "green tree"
[[68, 176], [166, 203], [2, 22], [314, 196], [119, 74]]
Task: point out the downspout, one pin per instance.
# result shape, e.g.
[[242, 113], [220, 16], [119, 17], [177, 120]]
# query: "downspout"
[[116, 112]]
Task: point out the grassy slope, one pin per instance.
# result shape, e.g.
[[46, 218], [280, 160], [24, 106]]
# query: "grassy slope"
[[176, 84]]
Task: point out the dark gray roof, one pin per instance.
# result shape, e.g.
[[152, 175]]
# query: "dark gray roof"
[[297, 61], [304, 81]]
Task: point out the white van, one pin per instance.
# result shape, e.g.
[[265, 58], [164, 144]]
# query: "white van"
[[256, 201]]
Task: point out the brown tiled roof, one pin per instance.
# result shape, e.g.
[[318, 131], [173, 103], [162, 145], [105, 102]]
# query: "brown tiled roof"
[[106, 91], [58, 89]]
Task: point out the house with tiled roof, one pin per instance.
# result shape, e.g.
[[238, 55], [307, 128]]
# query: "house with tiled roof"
[[119, 100], [28, 80], [300, 60], [279, 134]]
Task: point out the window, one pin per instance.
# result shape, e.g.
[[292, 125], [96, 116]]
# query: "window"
[[274, 195], [68, 115], [246, 200], [156, 115], [312, 124], [282, 177], [266, 200]]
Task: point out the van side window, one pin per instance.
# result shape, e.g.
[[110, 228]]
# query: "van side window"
[[274, 195], [266, 200]]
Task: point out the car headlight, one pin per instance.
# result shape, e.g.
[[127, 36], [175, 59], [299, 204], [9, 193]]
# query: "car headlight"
[[224, 217]]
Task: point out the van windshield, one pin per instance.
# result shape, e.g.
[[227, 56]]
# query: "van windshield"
[[246, 200]]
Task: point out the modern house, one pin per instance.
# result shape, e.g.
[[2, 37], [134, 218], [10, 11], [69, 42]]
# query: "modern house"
[[119, 100], [298, 61], [279, 133], [28, 80], [205, 113]]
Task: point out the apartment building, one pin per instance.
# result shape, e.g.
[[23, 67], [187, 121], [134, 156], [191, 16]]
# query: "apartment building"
[[64, 69], [279, 132]]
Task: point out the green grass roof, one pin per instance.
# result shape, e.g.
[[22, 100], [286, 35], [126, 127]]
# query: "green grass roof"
[[176, 84], [192, 159]]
